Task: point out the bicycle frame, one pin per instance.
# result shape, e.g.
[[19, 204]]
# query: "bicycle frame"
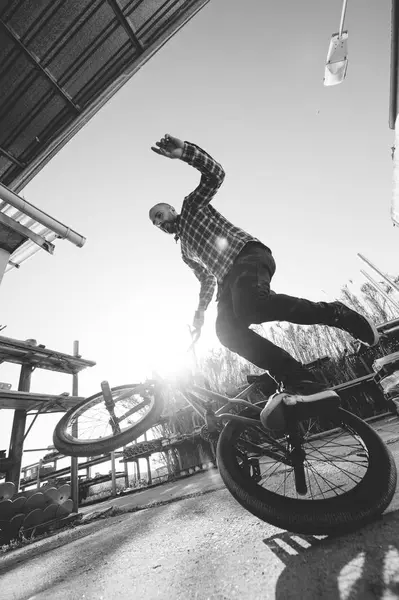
[[200, 405], [191, 394]]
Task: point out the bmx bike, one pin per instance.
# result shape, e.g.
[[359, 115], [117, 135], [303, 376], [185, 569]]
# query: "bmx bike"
[[326, 480]]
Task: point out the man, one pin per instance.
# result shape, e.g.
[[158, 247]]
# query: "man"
[[220, 253]]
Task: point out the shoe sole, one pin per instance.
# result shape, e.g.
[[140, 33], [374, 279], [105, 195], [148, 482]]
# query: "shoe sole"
[[376, 335]]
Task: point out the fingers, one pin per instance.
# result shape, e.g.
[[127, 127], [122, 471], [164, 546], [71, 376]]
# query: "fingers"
[[164, 146], [169, 146], [158, 151], [164, 142], [167, 142], [196, 335]]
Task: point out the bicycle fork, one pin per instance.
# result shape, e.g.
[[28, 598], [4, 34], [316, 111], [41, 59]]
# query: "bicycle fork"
[[296, 453]]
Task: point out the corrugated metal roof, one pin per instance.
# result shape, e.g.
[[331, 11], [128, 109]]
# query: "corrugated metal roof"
[[61, 60]]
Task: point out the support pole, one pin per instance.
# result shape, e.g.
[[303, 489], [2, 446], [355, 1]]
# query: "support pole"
[[179, 460], [168, 462], [39, 466], [113, 477], [395, 176], [18, 430], [125, 464], [380, 290], [370, 264], [149, 476], [394, 70], [74, 460], [4, 258], [343, 13]]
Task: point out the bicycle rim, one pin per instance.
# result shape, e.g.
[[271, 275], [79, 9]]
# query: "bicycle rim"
[[335, 463], [93, 421]]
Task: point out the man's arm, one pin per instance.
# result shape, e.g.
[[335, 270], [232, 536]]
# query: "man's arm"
[[212, 174], [207, 281]]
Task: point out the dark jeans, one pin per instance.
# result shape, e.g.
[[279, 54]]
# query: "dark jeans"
[[245, 299]]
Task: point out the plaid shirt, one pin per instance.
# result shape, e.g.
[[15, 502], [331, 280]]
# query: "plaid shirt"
[[209, 242]]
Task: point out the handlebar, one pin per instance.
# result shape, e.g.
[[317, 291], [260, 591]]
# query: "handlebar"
[[195, 335]]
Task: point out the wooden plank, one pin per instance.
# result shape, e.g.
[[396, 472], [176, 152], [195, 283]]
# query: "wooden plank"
[[354, 382], [19, 352], [15, 400]]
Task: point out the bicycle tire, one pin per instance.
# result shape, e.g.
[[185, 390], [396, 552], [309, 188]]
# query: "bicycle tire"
[[72, 447], [353, 509]]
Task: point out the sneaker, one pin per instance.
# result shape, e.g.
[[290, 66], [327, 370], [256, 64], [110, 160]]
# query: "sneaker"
[[359, 327], [314, 402]]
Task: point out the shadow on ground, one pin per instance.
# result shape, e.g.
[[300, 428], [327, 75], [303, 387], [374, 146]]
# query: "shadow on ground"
[[360, 566], [91, 555]]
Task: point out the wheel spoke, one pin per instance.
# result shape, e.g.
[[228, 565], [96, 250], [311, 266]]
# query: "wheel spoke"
[[333, 465], [97, 419]]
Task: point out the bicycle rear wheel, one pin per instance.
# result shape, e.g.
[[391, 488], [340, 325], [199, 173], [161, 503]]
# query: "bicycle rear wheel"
[[95, 426], [350, 475]]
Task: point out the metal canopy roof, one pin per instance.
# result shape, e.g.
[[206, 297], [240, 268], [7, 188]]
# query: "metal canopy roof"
[[24, 229], [61, 61]]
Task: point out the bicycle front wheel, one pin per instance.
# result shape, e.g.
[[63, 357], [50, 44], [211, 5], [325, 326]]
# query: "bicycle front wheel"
[[349, 472], [96, 426]]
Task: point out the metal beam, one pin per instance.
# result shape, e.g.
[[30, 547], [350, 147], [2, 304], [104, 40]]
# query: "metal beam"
[[41, 217], [27, 233], [394, 80], [380, 290], [394, 285], [40, 411], [125, 24], [74, 460], [12, 158], [45, 72], [13, 264]]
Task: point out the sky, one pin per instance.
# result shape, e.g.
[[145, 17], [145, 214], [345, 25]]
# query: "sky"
[[308, 171]]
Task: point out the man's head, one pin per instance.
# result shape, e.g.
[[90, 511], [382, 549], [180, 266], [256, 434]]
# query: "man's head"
[[164, 216]]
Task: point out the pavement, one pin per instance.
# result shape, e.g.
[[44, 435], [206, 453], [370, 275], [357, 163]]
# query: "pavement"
[[206, 481], [206, 546], [199, 483]]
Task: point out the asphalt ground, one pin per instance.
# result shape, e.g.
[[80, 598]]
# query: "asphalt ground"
[[201, 544]]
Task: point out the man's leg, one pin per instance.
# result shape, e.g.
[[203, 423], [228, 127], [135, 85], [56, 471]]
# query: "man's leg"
[[233, 331], [235, 335], [246, 299], [252, 301]]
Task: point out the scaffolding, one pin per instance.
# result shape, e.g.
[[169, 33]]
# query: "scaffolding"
[[31, 356]]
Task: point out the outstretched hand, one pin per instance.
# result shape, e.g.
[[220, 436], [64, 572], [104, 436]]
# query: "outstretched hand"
[[198, 323], [169, 146]]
